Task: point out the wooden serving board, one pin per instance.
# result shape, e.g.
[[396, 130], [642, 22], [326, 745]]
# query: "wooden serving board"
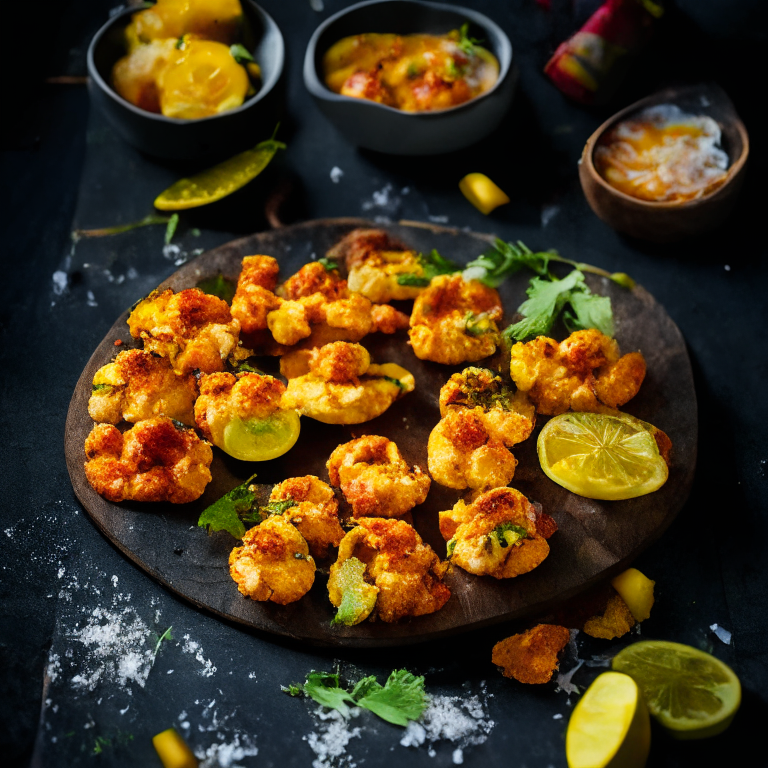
[[596, 539]]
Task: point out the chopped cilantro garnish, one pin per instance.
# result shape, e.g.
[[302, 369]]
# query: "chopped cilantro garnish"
[[101, 387], [225, 514], [413, 70], [432, 265], [450, 546], [478, 325], [218, 286], [508, 534], [409, 278], [277, 507], [327, 263], [466, 43], [395, 381]]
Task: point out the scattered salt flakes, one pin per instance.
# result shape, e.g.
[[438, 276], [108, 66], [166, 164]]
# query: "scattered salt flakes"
[[727, 267], [114, 581], [251, 675], [600, 661], [60, 281], [722, 634], [190, 646], [8, 532], [60, 573], [336, 174], [548, 212], [558, 716], [330, 741], [564, 678], [438, 219], [54, 666], [385, 202], [458, 756], [405, 191], [226, 755], [123, 711], [91, 299], [169, 672]]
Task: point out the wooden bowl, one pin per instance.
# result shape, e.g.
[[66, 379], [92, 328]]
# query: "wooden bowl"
[[669, 221]]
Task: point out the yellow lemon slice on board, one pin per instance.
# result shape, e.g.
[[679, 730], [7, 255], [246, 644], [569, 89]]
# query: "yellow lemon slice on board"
[[692, 694], [262, 439], [610, 726], [223, 179], [602, 456]]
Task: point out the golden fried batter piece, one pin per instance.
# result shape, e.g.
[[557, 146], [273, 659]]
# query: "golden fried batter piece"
[[374, 263], [273, 564], [255, 298], [375, 479], [137, 386], [615, 621], [315, 514], [455, 321], [226, 396], [152, 461], [194, 330], [338, 384], [500, 538], [405, 570], [584, 373], [531, 657]]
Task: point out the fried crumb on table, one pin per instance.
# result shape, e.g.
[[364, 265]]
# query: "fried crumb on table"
[[153, 461], [614, 622], [531, 657], [375, 479]]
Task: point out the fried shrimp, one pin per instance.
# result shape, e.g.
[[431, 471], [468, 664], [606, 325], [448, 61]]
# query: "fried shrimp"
[[455, 321], [375, 479], [498, 535], [377, 265], [402, 574], [255, 298], [338, 384], [273, 564], [531, 656], [194, 330], [153, 461], [137, 386], [315, 511], [583, 373]]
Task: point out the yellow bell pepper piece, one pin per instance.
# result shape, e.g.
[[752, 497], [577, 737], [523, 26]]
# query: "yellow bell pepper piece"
[[173, 750], [482, 192], [636, 590]]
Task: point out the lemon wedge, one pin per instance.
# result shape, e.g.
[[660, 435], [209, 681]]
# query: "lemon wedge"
[[602, 456], [692, 694], [610, 726], [262, 439], [482, 192], [173, 750]]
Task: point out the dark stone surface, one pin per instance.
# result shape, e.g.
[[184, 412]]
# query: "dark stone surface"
[[60, 174]]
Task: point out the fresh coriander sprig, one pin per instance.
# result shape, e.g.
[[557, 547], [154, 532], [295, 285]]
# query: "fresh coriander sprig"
[[466, 43], [432, 265], [228, 512]]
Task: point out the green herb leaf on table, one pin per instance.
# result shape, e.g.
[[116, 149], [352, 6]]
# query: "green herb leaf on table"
[[240, 53], [165, 636], [218, 286], [225, 514], [170, 230], [399, 700], [323, 687]]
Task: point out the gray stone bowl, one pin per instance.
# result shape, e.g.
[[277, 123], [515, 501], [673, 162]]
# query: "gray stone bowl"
[[208, 137], [386, 129]]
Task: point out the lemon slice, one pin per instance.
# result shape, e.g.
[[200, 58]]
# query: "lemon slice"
[[692, 694], [602, 456], [223, 179], [610, 726], [262, 439]]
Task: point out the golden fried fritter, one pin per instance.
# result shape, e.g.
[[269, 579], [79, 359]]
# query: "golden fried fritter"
[[338, 384], [137, 386], [500, 538], [225, 396], [375, 262], [375, 479], [255, 298], [152, 461], [455, 321], [584, 373], [273, 564], [531, 657], [315, 514], [615, 621], [194, 330], [405, 570]]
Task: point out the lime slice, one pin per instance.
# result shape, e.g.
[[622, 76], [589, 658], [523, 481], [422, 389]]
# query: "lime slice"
[[262, 439], [602, 456], [223, 179], [609, 727], [692, 694]]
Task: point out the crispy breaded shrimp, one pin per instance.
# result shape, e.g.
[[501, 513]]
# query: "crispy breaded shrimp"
[[152, 461], [500, 538], [273, 564], [375, 479], [138, 385], [405, 571], [337, 383], [531, 657], [455, 321], [194, 330], [584, 373], [315, 514], [255, 298]]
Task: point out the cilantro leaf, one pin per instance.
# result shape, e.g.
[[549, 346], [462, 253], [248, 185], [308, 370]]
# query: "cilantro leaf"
[[393, 380], [327, 263], [400, 699], [478, 325], [509, 533], [432, 265], [277, 507], [101, 387], [218, 286], [503, 259], [409, 278], [466, 43], [324, 688], [240, 53], [591, 311], [224, 514]]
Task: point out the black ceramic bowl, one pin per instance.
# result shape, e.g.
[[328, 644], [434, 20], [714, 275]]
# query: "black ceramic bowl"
[[386, 129], [172, 138]]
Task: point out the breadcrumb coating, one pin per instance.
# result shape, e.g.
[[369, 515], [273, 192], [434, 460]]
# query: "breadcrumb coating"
[[407, 573], [316, 514], [455, 321], [153, 461], [255, 298], [273, 564], [137, 386], [531, 657], [338, 384], [375, 479], [500, 538], [615, 621], [585, 372], [194, 330]]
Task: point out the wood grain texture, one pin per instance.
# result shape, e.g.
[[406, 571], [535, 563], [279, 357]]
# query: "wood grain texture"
[[596, 539]]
